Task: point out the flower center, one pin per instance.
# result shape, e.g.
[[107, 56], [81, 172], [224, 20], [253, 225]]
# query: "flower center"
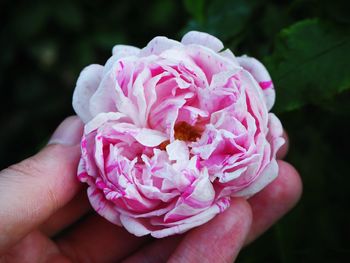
[[183, 132], [186, 132]]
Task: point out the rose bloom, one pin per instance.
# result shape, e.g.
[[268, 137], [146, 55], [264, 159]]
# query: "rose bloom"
[[173, 131]]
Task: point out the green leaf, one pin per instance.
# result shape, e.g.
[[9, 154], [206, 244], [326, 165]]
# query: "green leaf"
[[227, 19], [223, 18], [310, 63]]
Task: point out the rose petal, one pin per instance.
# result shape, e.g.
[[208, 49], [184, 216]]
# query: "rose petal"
[[88, 82], [204, 39], [159, 44], [267, 176], [178, 151], [102, 206], [259, 72]]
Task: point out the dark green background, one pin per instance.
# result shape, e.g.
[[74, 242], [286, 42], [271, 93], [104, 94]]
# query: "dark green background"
[[305, 45]]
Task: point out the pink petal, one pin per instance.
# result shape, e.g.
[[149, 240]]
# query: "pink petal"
[[159, 44], [134, 225], [146, 137], [261, 75], [125, 50], [178, 151], [182, 226], [227, 53], [120, 52], [267, 176], [149, 137], [104, 98], [103, 118], [275, 134], [204, 39], [102, 206], [88, 82]]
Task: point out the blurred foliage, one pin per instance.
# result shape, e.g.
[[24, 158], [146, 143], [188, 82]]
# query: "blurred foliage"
[[304, 43]]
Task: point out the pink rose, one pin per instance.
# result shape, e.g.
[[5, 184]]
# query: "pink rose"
[[173, 131]]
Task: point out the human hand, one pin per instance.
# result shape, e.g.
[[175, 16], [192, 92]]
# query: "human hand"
[[41, 200]]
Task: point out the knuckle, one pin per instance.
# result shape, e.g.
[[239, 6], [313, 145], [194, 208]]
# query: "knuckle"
[[30, 167]]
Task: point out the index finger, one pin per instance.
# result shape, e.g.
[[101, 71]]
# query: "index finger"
[[35, 188]]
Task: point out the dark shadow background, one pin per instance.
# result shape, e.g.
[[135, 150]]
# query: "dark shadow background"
[[44, 45]]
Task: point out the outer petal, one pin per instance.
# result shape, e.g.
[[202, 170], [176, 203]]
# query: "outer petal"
[[102, 206], [87, 84], [228, 54], [159, 44], [261, 75], [191, 222], [204, 39], [267, 176], [104, 99], [275, 134], [125, 51], [120, 51]]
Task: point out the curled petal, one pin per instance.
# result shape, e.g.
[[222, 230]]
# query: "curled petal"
[[259, 72], [275, 134], [104, 99], [125, 50], [204, 39], [159, 44], [102, 206], [267, 176], [178, 151], [182, 226], [87, 85]]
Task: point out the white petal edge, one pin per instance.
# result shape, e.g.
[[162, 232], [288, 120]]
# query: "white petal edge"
[[203, 39], [266, 177], [101, 206], [87, 84], [159, 44], [261, 75]]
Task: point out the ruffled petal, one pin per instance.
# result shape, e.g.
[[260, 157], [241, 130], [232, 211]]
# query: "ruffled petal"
[[204, 39], [159, 44], [87, 84], [266, 177], [262, 76], [102, 206]]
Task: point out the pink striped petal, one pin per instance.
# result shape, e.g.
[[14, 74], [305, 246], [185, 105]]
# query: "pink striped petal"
[[203, 39], [87, 84]]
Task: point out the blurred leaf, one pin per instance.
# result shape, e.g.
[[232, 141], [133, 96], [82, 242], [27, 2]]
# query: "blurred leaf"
[[311, 62], [196, 9], [228, 18], [223, 18]]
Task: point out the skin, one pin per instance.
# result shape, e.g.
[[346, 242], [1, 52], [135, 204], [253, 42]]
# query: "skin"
[[45, 215]]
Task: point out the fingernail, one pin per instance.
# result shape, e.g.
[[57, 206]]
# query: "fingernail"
[[69, 132]]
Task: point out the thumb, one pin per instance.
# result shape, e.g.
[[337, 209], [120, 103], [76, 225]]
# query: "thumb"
[[35, 188]]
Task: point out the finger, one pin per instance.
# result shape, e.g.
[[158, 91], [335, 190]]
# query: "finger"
[[67, 215], [282, 152], [220, 239], [97, 240], [275, 200], [157, 251], [35, 188], [35, 247]]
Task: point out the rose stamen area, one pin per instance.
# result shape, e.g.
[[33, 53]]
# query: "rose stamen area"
[[186, 132], [183, 132]]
